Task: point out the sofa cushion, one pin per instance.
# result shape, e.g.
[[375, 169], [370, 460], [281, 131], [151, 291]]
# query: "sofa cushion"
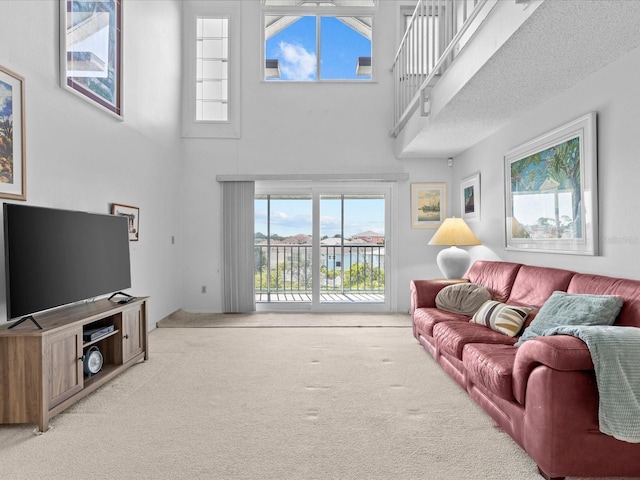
[[451, 337], [573, 309], [497, 277], [426, 318], [502, 318], [627, 289], [491, 366], [533, 285], [462, 298]]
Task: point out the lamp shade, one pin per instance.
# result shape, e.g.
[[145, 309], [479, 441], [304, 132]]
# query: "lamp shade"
[[454, 232], [454, 262]]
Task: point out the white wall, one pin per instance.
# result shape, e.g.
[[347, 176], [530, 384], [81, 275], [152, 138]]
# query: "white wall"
[[81, 158], [417, 259], [301, 128], [611, 92]]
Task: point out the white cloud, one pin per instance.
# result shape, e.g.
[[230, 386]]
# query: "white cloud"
[[277, 215], [296, 63]]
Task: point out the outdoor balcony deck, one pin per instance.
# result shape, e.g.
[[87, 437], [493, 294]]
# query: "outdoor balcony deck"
[[349, 273], [294, 297]]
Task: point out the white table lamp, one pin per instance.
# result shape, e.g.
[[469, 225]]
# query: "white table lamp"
[[453, 262]]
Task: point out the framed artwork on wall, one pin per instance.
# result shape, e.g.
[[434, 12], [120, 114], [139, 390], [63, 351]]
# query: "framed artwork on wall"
[[551, 191], [470, 198], [133, 215], [91, 52], [13, 163], [428, 204]]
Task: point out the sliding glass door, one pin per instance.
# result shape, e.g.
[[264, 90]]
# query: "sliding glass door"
[[322, 248], [352, 248], [283, 248]]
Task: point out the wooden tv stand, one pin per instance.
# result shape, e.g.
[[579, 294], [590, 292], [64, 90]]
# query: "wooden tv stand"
[[41, 371]]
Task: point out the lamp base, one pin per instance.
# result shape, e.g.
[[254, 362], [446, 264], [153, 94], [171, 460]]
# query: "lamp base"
[[453, 262]]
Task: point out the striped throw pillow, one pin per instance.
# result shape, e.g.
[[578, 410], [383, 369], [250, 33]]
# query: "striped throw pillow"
[[500, 317]]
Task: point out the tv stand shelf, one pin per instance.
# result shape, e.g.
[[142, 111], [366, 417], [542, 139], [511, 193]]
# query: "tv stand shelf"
[[41, 371]]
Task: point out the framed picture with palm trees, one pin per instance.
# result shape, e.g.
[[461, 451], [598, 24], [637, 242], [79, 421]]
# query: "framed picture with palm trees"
[[552, 191], [12, 136]]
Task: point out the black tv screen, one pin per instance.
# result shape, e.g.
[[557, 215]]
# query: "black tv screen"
[[56, 257]]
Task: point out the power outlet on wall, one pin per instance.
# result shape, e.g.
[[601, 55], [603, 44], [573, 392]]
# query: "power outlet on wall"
[[203, 289]]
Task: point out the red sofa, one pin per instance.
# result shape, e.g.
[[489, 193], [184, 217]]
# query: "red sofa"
[[544, 392]]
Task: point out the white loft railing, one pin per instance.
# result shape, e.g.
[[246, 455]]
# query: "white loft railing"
[[433, 37]]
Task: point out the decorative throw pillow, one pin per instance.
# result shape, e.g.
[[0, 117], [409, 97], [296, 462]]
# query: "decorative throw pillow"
[[563, 308], [463, 298], [507, 319]]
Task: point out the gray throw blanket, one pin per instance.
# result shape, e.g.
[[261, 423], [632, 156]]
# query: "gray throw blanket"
[[615, 352]]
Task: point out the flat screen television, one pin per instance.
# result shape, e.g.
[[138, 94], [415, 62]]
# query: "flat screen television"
[[56, 257]]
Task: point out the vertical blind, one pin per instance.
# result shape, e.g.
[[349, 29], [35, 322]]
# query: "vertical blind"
[[237, 247]]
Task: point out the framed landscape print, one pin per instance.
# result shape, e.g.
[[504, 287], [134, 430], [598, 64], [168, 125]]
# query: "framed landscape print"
[[133, 215], [551, 191], [470, 198], [13, 178], [91, 51], [428, 204]]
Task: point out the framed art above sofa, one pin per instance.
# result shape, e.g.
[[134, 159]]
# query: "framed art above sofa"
[[551, 198]]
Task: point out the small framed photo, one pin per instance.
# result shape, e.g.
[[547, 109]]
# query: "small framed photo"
[[428, 204], [133, 215], [13, 164], [470, 198], [91, 52]]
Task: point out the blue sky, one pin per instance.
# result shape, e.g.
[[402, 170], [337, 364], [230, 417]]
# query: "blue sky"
[[291, 217], [295, 48]]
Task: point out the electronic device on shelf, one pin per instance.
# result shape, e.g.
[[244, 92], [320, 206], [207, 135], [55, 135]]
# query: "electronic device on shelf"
[[92, 361], [92, 334]]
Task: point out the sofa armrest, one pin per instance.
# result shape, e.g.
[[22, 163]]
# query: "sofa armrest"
[[424, 292], [559, 352]]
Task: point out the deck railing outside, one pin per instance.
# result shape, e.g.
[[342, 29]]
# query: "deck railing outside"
[[288, 269], [432, 38]]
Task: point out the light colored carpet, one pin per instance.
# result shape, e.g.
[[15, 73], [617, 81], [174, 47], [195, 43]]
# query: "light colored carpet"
[[273, 404], [182, 319]]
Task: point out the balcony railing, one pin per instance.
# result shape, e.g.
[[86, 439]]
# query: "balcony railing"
[[351, 270], [434, 35]]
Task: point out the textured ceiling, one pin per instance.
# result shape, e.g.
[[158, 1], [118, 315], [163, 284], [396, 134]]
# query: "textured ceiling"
[[562, 43]]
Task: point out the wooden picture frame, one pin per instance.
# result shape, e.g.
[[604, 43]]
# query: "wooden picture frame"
[[91, 52], [470, 198], [133, 215], [13, 163], [428, 204], [551, 187]]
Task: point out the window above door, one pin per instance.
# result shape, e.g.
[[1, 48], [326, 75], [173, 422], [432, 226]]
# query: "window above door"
[[211, 93], [315, 41]]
